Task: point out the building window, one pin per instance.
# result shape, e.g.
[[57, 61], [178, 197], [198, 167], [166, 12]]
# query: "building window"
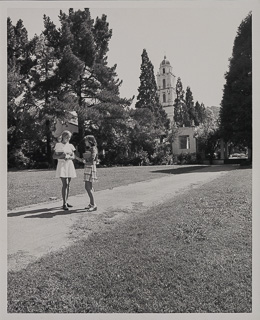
[[184, 142], [164, 97], [163, 70], [164, 83]]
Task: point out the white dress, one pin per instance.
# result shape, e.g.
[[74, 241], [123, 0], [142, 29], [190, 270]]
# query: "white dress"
[[65, 168]]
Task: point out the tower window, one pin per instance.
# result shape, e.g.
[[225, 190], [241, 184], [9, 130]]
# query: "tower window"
[[164, 83], [164, 97], [163, 70]]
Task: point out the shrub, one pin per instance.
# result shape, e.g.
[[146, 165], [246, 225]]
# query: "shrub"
[[188, 158], [17, 159], [161, 157]]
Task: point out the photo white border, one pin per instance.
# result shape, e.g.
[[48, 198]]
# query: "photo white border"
[[4, 6]]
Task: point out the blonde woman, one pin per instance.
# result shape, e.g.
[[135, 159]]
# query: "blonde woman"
[[64, 152]]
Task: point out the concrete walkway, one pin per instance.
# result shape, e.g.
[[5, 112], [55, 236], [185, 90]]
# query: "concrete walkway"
[[36, 230]]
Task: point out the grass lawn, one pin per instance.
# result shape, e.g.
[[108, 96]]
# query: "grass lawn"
[[35, 186], [190, 254]]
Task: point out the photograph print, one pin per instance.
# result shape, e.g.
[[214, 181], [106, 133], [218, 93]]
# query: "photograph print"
[[129, 158]]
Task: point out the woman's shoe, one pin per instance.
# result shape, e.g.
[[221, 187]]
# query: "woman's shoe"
[[88, 207], [65, 207], [92, 208], [69, 205]]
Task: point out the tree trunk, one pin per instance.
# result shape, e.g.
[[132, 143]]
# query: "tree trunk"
[[250, 154], [48, 142], [81, 129]]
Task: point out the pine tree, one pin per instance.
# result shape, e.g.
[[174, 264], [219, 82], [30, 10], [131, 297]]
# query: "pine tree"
[[181, 116], [147, 90], [190, 108], [18, 115], [51, 34], [42, 90], [149, 119], [200, 113], [83, 68], [236, 105], [11, 43]]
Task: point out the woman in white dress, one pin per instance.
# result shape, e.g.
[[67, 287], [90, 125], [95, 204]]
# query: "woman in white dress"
[[64, 152]]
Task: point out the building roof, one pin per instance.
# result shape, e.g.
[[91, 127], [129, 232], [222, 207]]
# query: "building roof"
[[164, 62]]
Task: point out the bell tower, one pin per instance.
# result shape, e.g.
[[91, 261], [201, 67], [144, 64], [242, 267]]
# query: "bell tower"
[[166, 82]]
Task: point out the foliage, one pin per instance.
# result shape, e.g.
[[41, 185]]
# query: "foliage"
[[236, 105], [190, 107], [207, 134], [149, 120], [162, 155], [188, 158], [200, 113], [17, 159], [180, 108], [110, 125], [185, 112], [147, 94], [43, 90], [142, 131], [62, 69], [83, 68]]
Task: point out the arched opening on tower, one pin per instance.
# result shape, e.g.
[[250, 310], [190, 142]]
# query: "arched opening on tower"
[[164, 83]]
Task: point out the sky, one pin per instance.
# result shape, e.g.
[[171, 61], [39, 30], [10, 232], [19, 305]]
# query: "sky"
[[196, 39]]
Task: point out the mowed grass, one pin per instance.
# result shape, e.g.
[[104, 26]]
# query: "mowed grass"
[[191, 254], [36, 186]]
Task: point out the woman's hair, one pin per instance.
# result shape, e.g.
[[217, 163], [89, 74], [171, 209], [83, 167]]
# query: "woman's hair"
[[91, 139], [66, 133]]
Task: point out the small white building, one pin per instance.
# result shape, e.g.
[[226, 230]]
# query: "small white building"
[[185, 141]]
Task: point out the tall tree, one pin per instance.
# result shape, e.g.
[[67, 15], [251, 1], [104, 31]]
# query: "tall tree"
[[181, 115], [236, 105], [147, 93], [11, 43], [42, 89], [18, 114], [83, 68], [200, 113], [190, 107]]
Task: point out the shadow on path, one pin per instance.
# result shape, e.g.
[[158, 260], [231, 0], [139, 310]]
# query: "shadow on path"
[[45, 212], [192, 168]]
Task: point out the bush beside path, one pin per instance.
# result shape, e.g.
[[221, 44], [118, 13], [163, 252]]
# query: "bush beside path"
[[191, 253]]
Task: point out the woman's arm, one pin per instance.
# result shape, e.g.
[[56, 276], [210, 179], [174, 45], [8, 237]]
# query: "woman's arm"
[[58, 155], [94, 154]]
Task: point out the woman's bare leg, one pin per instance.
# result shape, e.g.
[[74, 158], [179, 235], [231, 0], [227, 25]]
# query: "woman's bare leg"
[[68, 188], [64, 191], [89, 189]]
